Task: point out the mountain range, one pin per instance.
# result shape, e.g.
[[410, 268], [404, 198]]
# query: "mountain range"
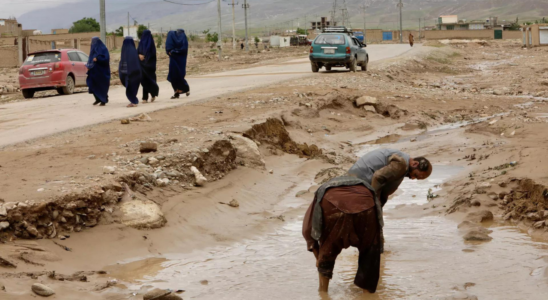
[[264, 15]]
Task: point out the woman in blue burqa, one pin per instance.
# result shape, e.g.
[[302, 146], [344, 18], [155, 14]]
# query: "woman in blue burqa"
[[98, 66], [177, 49], [130, 71], [147, 56]]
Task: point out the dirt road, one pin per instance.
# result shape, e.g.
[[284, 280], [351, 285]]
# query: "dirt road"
[[33, 119]]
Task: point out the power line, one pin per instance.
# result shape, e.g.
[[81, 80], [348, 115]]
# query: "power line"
[[189, 4]]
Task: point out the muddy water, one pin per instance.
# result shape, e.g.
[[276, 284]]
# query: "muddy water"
[[425, 259]]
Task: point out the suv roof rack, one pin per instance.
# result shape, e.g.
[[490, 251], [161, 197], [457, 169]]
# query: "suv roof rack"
[[337, 29]]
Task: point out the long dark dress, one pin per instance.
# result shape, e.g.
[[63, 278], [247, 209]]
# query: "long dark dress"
[[130, 70], [148, 66], [177, 49], [98, 79]]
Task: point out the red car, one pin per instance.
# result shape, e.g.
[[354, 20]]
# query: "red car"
[[60, 69]]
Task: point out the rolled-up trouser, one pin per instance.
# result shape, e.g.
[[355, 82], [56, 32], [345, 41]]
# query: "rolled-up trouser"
[[342, 230]]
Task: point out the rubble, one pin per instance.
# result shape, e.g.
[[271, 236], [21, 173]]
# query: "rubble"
[[42, 290]]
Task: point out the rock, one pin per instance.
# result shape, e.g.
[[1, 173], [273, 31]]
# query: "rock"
[[460, 296], [200, 179], [124, 121], [142, 214], [508, 216], [545, 214], [539, 224], [475, 202], [40, 190], [480, 216], [234, 203], [271, 171], [533, 216], [370, 109], [247, 152], [153, 161], [4, 225], [156, 294], [109, 170], [3, 211], [148, 147], [477, 235], [162, 182], [502, 184], [366, 100], [42, 290]]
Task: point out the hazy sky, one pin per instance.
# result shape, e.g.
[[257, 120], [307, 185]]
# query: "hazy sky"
[[9, 8]]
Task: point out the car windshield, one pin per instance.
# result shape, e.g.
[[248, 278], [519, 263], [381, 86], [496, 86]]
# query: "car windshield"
[[40, 58], [330, 39]]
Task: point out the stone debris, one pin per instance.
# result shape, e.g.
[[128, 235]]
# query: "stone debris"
[[480, 216], [124, 121], [477, 235], [200, 180], [6, 263], [144, 117], [42, 290], [366, 100], [142, 214], [148, 147], [109, 170], [247, 153]]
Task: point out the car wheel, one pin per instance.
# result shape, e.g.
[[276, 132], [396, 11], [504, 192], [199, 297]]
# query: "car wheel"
[[328, 68], [353, 65], [68, 89], [315, 67], [364, 66], [28, 93]]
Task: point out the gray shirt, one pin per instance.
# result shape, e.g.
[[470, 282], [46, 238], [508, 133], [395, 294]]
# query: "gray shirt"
[[373, 161]]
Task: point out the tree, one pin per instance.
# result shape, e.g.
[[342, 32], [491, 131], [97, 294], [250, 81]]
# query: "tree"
[[257, 40], [140, 30], [302, 31], [193, 37], [119, 31], [212, 37], [159, 41], [85, 25]]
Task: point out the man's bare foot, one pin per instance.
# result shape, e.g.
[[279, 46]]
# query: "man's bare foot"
[[132, 105]]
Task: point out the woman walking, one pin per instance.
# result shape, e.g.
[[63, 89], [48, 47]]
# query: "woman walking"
[[98, 66], [130, 71], [147, 57], [177, 49]]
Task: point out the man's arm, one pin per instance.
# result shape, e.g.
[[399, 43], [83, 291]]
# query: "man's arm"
[[395, 170]]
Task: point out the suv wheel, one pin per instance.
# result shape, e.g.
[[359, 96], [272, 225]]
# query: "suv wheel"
[[364, 66], [328, 68], [353, 65], [315, 67], [68, 89], [28, 93]]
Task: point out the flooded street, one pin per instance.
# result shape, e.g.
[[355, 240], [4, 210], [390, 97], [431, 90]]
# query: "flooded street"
[[425, 258]]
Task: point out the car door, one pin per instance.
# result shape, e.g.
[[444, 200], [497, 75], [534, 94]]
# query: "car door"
[[359, 50], [78, 68]]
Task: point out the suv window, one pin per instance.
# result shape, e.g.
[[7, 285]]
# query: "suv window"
[[83, 56], [356, 42], [330, 39], [40, 58], [73, 56]]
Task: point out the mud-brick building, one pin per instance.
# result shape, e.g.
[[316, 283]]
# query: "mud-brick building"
[[10, 27], [535, 35]]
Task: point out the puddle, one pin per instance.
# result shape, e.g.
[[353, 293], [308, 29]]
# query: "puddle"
[[426, 258]]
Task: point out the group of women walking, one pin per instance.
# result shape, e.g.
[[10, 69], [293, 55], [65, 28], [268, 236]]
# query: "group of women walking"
[[138, 68]]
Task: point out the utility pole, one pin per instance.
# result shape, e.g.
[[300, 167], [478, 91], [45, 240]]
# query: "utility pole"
[[128, 24], [364, 24], [246, 6], [220, 41], [103, 21], [233, 26], [419, 29], [400, 5]]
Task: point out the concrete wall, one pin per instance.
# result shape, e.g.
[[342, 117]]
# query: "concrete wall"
[[458, 34], [9, 57], [511, 35], [59, 31], [69, 36]]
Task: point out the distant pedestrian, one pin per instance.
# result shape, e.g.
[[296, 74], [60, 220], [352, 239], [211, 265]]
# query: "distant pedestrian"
[[147, 57], [242, 46], [177, 49], [130, 71], [98, 65], [411, 39]]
